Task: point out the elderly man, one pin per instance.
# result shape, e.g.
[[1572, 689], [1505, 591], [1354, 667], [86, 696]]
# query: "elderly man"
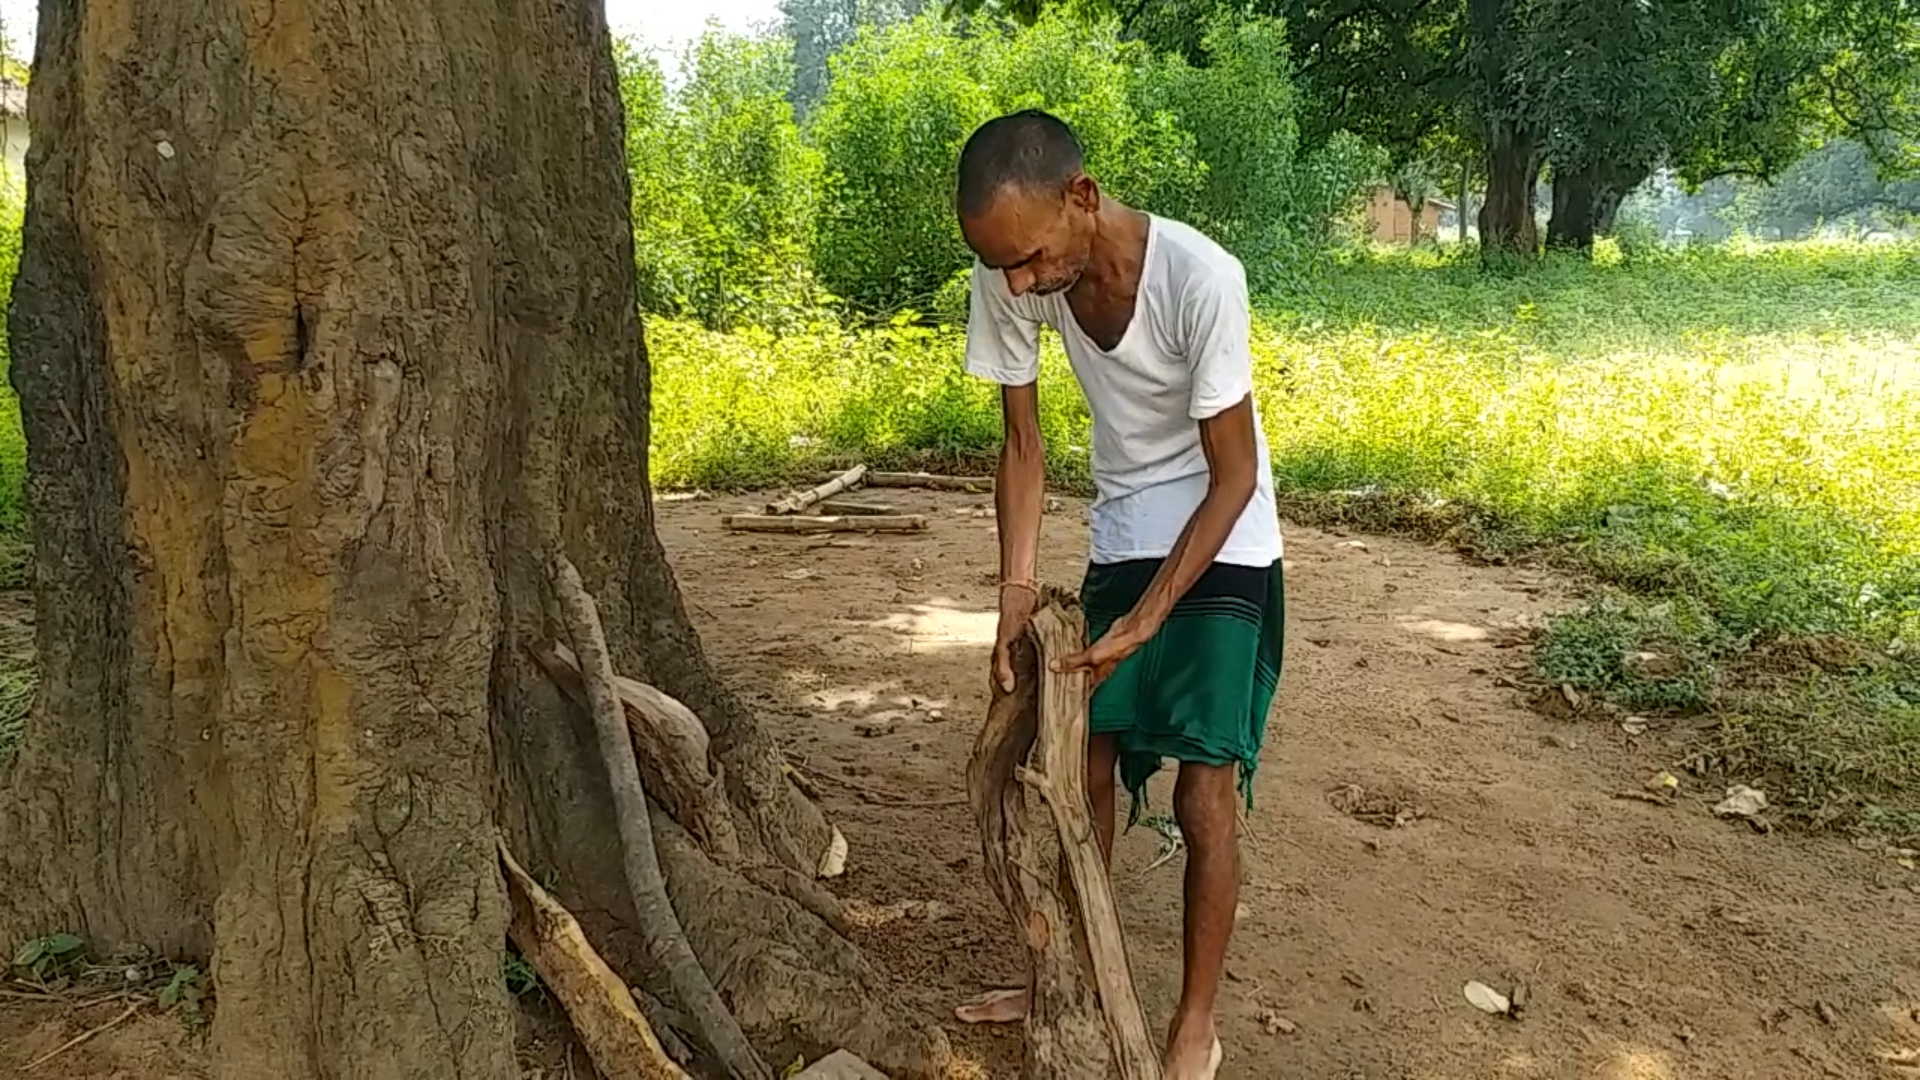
[[1183, 591]]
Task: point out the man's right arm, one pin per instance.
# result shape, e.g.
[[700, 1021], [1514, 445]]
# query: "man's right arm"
[[1003, 345], [1019, 487]]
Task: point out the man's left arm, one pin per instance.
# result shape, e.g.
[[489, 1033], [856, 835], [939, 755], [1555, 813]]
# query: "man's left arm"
[[1222, 404]]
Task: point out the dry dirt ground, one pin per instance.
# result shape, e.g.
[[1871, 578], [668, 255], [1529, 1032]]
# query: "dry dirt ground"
[[1415, 826]]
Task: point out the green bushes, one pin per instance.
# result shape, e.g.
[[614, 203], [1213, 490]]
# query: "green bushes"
[[724, 191], [1259, 194], [738, 210], [900, 104]]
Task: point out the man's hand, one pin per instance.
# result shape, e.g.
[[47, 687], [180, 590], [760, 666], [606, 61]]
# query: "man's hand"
[[1121, 640], [1017, 605]]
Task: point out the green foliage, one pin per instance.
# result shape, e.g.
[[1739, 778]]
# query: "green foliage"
[[46, 957], [1104, 88], [1213, 144], [1262, 198], [902, 102], [724, 191], [183, 986], [1837, 184], [820, 28], [186, 995], [13, 443], [521, 979]]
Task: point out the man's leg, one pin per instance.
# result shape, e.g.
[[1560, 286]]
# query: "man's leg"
[[1103, 761], [1203, 801], [1103, 767]]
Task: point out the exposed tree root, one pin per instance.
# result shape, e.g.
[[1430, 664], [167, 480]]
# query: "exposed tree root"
[[666, 941]]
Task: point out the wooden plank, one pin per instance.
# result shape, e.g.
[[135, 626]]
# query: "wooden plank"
[[929, 480], [793, 504], [904, 523], [850, 508]]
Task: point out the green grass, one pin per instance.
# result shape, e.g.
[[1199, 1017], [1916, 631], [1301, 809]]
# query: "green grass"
[[1727, 441]]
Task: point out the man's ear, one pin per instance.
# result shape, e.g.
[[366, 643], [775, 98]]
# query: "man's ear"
[[1083, 193]]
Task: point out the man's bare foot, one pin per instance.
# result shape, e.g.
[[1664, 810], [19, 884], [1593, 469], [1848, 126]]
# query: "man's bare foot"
[[1193, 1052], [995, 1007]]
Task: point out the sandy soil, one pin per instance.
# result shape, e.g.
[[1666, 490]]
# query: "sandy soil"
[[1654, 942]]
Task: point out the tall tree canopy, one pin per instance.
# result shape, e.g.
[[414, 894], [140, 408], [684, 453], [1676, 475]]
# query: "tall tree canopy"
[[1594, 93]]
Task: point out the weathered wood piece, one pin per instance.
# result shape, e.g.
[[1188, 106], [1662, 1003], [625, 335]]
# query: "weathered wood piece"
[[605, 1016], [850, 508], [795, 503], [929, 480], [755, 523], [1085, 1021], [659, 926], [672, 746]]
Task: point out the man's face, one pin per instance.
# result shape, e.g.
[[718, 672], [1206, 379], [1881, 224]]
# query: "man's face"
[[1041, 240]]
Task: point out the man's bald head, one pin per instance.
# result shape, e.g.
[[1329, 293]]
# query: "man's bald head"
[[1031, 151], [1026, 205]]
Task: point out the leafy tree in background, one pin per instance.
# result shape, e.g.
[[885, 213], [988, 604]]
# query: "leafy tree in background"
[[1839, 183], [1594, 94], [902, 101], [725, 189], [1619, 87], [1214, 143]]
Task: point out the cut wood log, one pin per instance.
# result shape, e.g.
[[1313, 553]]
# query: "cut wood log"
[[795, 503], [850, 508], [929, 480], [1057, 769], [611, 1026], [672, 745], [659, 927], [902, 523], [1085, 1021]]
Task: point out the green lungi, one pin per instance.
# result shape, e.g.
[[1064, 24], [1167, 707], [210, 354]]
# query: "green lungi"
[[1199, 690]]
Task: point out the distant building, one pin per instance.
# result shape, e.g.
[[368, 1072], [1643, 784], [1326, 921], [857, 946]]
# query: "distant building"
[[1390, 219], [13, 131]]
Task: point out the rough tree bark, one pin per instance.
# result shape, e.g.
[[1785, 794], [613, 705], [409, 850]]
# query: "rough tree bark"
[[1507, 225], [1507, 217], [326, 343], [1586, 200]]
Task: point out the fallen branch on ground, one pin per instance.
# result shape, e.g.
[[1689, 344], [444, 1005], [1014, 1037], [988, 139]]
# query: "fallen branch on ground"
[[929, 480], [793, 504], [659, 926], [605, 1015], [850, 508], [756, 523], [1084, 1021]]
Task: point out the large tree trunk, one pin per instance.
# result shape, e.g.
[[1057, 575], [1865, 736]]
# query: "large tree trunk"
[[1507, 216], [326, 342], [1586, 200], [1507, 225]]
